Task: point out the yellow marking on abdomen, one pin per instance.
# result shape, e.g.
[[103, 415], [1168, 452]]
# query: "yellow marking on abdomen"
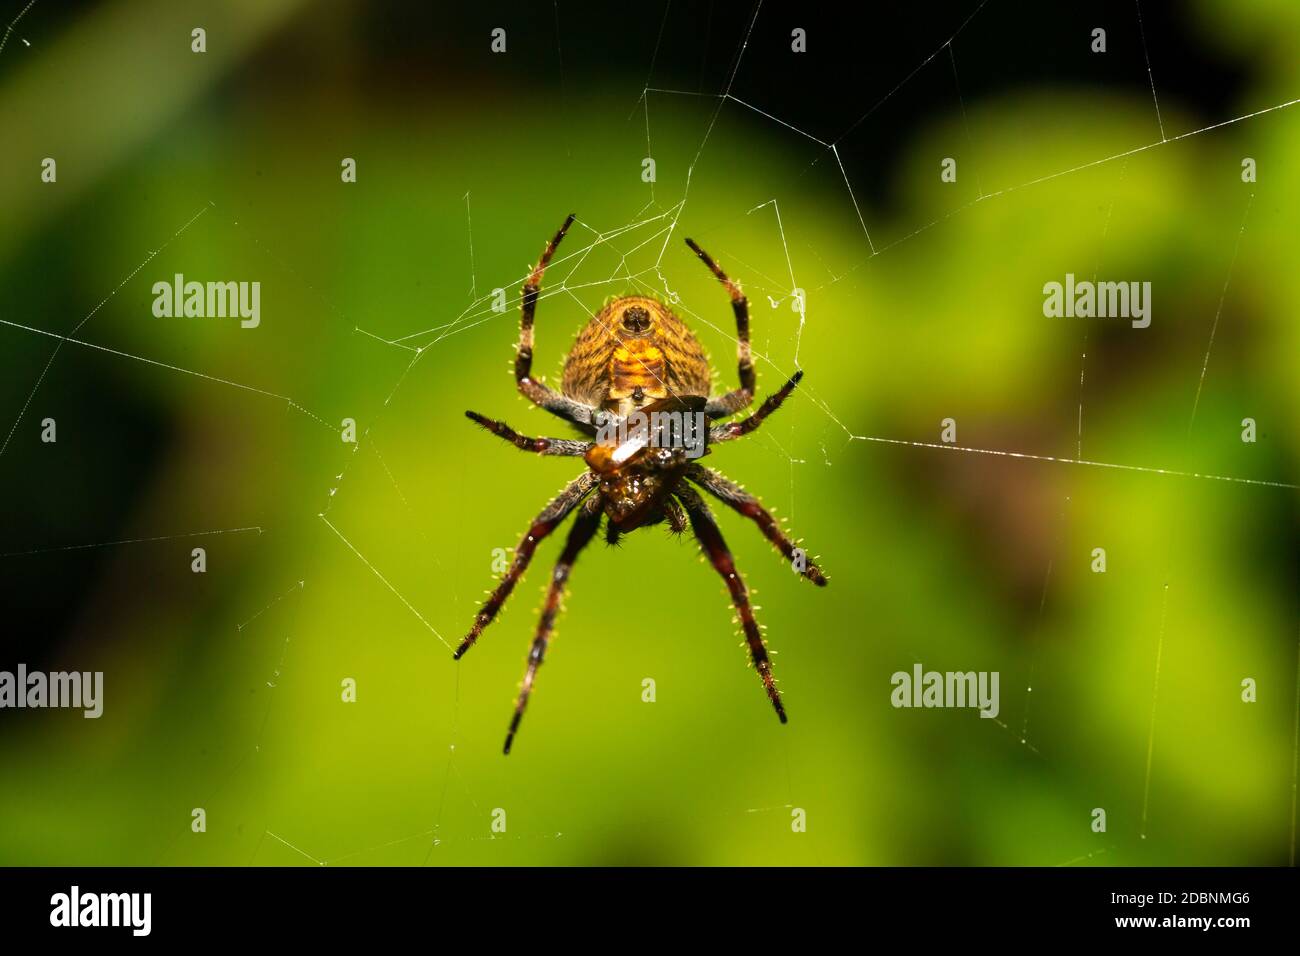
[[636, 364]]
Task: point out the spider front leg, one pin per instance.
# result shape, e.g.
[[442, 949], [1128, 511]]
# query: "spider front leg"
[[543, 525], [533, 390], [741, 501], [732, 402], [584, 527], [565, 447], [746, 425], [715, 548]]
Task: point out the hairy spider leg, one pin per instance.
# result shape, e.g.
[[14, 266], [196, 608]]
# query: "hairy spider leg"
[[584, 527], [770, 404], [732, 402], [566, 447], [675, 516], [542, 525], [715, 549], [535, 391], [742, 502]]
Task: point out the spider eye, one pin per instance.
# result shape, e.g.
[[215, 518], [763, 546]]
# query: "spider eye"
[[636, 319]]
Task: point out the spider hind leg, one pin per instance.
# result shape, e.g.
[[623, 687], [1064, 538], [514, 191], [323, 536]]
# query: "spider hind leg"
[[533, 390], [732, 402]]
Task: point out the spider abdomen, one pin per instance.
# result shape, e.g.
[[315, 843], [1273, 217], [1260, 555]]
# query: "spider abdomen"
[[637, 371], [634, 352]]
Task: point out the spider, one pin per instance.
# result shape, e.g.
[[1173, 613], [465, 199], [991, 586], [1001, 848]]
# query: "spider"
[[635, 358]]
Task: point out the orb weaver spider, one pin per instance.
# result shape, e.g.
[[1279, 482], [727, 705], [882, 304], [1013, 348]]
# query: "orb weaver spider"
[[636, 356]]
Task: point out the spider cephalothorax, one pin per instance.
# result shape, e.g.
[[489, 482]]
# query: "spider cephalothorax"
[[637, 384]]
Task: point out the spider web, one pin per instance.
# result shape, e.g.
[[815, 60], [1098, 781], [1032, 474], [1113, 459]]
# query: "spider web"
[[600, 259]]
